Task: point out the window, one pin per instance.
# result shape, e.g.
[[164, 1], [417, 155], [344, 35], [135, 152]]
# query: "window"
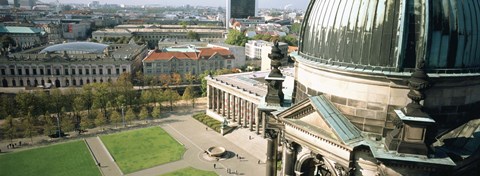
[[19, 71], [148, 64], [80, 73], [66, 71], [3, 71], [49, 72], [109, 71], [34, 71], [100, 71], [41, 71], [73, 71], [87, 72], [149, 70], [124, 70], [94, 71], [27, 71], [117, 71], [57, 71]]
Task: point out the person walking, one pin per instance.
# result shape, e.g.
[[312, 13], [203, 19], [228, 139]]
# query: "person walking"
[[214, 165]]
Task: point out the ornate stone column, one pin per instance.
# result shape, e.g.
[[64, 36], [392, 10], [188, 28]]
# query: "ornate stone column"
[[240, 114], [288, 159], [272, 152], [252, 116], [264, 124], [229, 103], [234, 108], [209, 95], [257, 118], [224, 103]]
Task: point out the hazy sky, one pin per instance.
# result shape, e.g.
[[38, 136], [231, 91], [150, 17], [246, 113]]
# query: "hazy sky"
[[298, 4]]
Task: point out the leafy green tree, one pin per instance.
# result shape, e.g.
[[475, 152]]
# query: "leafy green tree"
[[189, 77], [130, 115], [88, 98], [48, 126], [189, 95], [67, 123], [78, 107], [10, 128], [193, 35], [100, 119], [115, 117], [26, 103], [101, 97], [183, 24], [235, 37], [156, 112], [144, 114], [295, 28], [290, 40], [172, 96], [29, 127]]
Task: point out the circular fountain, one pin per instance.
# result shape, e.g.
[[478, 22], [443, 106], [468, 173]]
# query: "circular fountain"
[[215, 151]]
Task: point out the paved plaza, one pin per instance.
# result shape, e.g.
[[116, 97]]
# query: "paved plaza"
[[196, 139]]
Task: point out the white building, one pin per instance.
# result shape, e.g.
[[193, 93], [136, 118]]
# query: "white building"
[[237, 51], [259, 49]]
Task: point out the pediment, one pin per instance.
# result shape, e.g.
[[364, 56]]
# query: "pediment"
[[319, 116]]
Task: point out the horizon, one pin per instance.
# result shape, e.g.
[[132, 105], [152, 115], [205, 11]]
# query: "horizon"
[[294, 4]]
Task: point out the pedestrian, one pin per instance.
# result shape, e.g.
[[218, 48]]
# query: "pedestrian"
[[237, 155], [258, 162], [206, 128], [99, 165], [8, 146], [20, 143], [214, 165]]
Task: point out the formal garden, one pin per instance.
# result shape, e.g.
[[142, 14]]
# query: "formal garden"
[[72, 159], [209, 121], [141, 149], [190, 171]]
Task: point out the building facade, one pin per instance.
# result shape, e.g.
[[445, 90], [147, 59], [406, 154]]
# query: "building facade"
[[189, 59], [237, 51], [70, 64], [25, 37], [240, 9], [259, 50], [153, 34]]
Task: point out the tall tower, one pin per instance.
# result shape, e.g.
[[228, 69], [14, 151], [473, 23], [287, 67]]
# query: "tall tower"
[[240, 9]]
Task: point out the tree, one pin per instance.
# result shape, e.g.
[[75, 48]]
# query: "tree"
[[29, 126], [49, 126], [10, 128], [156, 112], [189, 77], [296, 28], [67, 123], [165, 79], [100, 119], [172, 96], [101, 97], [78, 106], [235, 37], [189, 95], [193, 35], [176, 78], [290, 40], [115, 117], [144, 114], [183, 24], [130, 115]]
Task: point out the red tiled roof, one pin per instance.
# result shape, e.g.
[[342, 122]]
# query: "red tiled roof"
[[205, 53]]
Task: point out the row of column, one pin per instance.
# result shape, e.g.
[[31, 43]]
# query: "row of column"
[[246, 114]]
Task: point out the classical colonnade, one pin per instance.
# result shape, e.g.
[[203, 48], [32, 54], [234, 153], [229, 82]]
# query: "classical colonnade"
[[236, 109]]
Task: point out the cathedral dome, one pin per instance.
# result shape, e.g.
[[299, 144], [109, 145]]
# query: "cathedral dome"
[[392, 36]]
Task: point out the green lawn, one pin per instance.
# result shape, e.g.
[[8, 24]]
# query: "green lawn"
[[190, 171], [141, 149], [70, 159]]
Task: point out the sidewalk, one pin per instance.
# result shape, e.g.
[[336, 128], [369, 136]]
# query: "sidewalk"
[[107, 165]]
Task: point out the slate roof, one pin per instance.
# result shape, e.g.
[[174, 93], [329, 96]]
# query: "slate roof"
[[204, 53], [343, 128]]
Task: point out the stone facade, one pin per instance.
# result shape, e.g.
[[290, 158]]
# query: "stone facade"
[[30, 68]]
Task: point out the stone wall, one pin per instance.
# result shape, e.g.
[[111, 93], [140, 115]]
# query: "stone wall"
[[368, 101]]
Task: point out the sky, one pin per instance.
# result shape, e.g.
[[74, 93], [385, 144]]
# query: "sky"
[[297, 4]]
